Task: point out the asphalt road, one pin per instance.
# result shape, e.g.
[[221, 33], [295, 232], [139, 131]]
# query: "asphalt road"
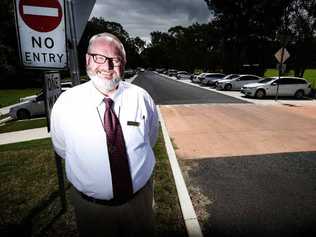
[[266, 195], [261, 195], [165, 91]]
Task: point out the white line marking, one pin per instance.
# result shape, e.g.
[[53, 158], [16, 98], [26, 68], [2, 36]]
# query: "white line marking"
[[189, 216], [40, 11]]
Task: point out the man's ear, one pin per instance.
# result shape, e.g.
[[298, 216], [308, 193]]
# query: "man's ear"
[[87, 59]]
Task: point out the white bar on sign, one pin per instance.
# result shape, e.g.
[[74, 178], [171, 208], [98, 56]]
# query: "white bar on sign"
[[40, 11]]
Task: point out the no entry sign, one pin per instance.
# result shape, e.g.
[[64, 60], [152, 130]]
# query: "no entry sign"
[[41, 16], [42, 35]]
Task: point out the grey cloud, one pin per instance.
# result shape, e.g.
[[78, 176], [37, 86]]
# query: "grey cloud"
[[140, 17]]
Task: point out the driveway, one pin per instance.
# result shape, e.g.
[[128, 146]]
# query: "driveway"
[[208, 130], [250, 169]]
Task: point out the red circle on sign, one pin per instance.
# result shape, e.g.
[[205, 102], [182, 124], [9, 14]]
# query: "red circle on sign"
[[42, 16]]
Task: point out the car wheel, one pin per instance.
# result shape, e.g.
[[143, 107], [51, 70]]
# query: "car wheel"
[[299, 94], [23, 114], [228, 87], [260, 94]]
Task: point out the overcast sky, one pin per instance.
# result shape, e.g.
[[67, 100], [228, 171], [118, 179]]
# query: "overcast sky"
[[140, 17]]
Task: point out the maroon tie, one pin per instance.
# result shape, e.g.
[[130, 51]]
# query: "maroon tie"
[[121, 176]]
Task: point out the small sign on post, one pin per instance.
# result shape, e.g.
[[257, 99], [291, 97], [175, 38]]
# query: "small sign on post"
[[42, 33], [282, 55], [52, 91]]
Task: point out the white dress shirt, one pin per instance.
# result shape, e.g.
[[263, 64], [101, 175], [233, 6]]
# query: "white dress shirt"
[[78, 136]]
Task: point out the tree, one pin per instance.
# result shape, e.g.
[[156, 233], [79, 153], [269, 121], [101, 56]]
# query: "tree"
[[299, 23], [139, 44], [99, 25], [247, 28]]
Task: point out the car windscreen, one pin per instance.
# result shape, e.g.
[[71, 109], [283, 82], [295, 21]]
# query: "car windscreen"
[[230, 77], [265, 80]]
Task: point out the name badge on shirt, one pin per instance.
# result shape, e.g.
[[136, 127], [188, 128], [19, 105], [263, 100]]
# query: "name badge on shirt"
[[133, 123]]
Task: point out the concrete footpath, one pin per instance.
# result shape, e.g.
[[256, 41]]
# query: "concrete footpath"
[[23, 136]]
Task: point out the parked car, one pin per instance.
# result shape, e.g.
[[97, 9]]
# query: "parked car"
[[160, 70], [29, 108], [238, 82], [33, 105], [183, 75], [209, 79], [64, 86], [129, 73], [196, 78], [286, 86], [227, 77], [172, 72]]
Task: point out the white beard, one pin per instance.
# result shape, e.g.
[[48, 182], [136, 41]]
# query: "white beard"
[[104, 85]]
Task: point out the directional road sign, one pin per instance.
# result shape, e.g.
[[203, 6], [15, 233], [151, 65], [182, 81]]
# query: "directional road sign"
[[282, 58]]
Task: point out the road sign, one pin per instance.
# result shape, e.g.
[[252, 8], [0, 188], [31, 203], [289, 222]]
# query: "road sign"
[[41, 16], [52, 92], [282, 55], [41, 31]]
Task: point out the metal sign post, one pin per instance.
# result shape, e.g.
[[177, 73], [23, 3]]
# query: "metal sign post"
[[78, 12], [281, 55], [52, 90], [72, 45]]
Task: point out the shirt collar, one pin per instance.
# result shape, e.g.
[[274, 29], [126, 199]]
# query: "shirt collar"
[[97, 97]]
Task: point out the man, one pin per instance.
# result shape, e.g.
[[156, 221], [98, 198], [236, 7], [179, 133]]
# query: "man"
[[105, 130]]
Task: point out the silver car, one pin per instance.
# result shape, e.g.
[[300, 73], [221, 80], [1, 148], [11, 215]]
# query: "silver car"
[[286, 86], [209, 79], [237, 82], [183, 75], [197, 78], [33, 107]]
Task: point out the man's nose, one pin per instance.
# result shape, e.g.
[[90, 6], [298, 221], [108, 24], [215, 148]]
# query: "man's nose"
[[108, 64]]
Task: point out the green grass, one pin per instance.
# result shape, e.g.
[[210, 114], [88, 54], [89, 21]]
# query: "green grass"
[[12, 126], [309, 74], [29, 184], [12, 96]]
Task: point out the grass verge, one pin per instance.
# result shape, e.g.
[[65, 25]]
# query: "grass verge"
[[12, 96], [29, 200], [13, 126]]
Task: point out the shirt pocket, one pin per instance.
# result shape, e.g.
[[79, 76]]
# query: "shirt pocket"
[[134, 132]]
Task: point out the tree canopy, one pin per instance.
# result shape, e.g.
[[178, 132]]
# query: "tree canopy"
[[243, 32]]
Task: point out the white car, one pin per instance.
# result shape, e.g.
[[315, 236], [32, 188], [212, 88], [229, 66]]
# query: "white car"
[[209, 79], [229, 76], [286, 86], [29, 108], [33, 105], [238, 82], [183, 75], [197, 78], [64, 86]]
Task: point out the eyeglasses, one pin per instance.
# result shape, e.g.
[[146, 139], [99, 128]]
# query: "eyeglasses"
[[100, 59]]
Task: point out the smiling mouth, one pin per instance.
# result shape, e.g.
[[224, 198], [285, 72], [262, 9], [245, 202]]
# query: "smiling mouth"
[[104, 75]]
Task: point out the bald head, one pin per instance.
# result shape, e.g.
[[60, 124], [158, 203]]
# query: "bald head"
[[108, 39]]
